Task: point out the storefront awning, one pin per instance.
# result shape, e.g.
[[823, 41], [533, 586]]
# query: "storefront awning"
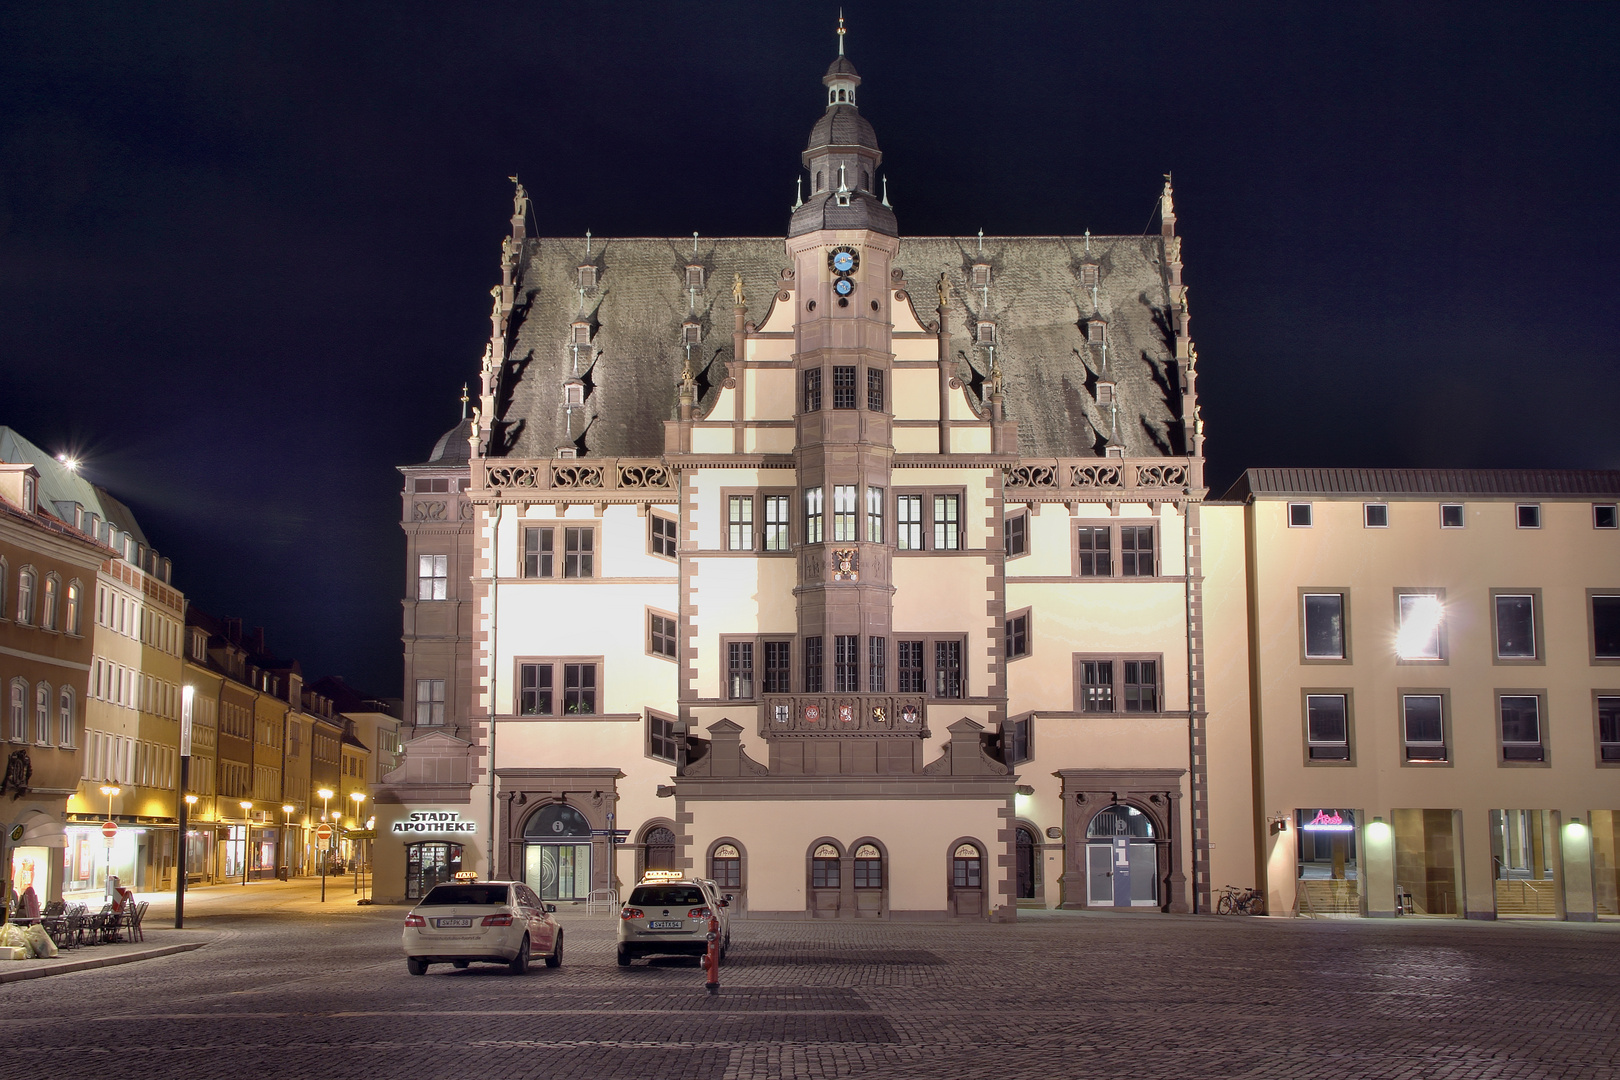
[[36, 828]]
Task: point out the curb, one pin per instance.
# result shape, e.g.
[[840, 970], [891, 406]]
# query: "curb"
[[98, 962]]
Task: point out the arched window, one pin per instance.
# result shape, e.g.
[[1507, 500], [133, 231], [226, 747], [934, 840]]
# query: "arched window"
[[42, 714], [725, 866], [967, 867], [47, 609], [25, 595], [66, 721], [1119, 821], [5, 579], [18, 708], [658, 846], [75, 598], [866, 180], [818, 181], [824, 867], [868, 867], [558, 819]]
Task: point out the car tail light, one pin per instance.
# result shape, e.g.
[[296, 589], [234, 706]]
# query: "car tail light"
[[415, 920], [632, 913], [498, 920], [698, 913]]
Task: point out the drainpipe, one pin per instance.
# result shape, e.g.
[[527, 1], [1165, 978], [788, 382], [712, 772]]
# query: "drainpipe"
[[494, 676]]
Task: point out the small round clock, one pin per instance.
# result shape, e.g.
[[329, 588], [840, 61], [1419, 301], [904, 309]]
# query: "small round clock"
[[843, 286]]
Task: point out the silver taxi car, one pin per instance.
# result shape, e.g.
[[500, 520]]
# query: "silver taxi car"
[[492, 922], [667, 913]]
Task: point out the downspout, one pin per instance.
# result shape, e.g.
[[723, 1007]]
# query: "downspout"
[[494, 623], [1192, 686]]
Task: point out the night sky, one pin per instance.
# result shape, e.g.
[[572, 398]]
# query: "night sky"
[[246, 248]]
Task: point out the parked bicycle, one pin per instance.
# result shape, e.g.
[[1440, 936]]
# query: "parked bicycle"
[[1236, 901]]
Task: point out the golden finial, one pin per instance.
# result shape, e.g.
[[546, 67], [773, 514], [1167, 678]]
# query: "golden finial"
[[941, 291], [841, 31], [464, 400]]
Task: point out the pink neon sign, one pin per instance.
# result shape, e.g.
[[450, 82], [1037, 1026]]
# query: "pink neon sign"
[[1329, 821]]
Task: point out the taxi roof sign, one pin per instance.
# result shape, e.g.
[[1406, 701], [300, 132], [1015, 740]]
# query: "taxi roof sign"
[[663, 875], [466, 875]]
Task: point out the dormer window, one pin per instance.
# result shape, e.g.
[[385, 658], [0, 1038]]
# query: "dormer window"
[[981, 275], [587, 277], [582, 333], [987, 333], [694, 278], [1105, 393], [30, 495], [1095, 331], [568, 451], [573, 392], [1088, 276], [691, 333]]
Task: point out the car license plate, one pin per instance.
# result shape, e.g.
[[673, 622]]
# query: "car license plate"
[[452, 922], [666, 924]]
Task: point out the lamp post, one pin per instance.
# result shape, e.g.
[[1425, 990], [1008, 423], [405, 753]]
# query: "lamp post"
[[247, 838], [286, 835], [358, 797], [325, 794], [110, 790], [183, 807]]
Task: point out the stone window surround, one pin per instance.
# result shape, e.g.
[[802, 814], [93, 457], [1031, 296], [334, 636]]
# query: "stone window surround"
[[1024, 613], [1078, 660], [1115, 553], [559, 548], [647, 640], [674, 537], [557, 688], [963, 513], [1537, 614], [742, 864], [1348, 693], [1591, 629], [1344, 613], [1597, 732], [1540, 694], [759, 494], [640, 845], [1445, 625], [647, 741], [1006, 531], [846, 876], [1444, 694], [1156, 793]]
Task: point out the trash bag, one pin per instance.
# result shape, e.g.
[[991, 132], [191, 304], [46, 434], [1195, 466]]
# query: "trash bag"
[[39, 942], [11, 934]]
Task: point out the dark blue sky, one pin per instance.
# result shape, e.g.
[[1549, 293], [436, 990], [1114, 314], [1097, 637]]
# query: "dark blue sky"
[[245, 249]]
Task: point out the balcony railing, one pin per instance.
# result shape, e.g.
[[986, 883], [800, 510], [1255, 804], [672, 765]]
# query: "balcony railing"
[[1081, 475], [562, 474]]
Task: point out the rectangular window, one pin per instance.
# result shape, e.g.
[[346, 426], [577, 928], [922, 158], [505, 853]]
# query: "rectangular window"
[[776, 523], [874, 515], [877, 662], [812, 665], [1606, 627], [432, 577], [1375, 515], [537, 551], [844, 513], [661, 635], [1515, 627], [869, 873], [579, 688], [824, 873], [1299, 515], [1423, 726], [660, 737], [534, 689], [1528, 516], [1608, 722], [1096, 686], [1141, 685], [429, 702], [1324, 626], [1017, 535], [1451, 515], [577, 555], [910, 663], [1521, 727], [947, 517], [1096, 558], [740, 670], [1017, 636], [1327, 727], [1136, 550], [843, 388], [663, 535], [947, 669], [778, 667], [1422, 620], [908, 522], [1015, 741], [740, 523], [812, 390], [812, 515], [1605, 516], [874, 389], [846, 664]]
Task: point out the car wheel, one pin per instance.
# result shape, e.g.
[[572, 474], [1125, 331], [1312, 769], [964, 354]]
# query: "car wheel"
[[624, 958], [460, 964], [555, 959], [520, 962], [415, 966]]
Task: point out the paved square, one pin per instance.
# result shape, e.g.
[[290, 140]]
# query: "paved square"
[[291, 993]]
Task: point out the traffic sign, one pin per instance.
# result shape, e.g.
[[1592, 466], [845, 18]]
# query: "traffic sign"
[[324, 833], [109, 829]]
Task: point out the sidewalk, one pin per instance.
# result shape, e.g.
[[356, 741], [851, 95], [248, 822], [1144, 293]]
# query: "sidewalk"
[[300, 894], [159, 942]]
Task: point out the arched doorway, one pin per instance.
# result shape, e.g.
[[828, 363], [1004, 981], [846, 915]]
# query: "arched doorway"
[[1122, 859], [869, 881], [1028, 862], [826, 879], [657, 848], [726, 871], [557, 853], [967, 879]]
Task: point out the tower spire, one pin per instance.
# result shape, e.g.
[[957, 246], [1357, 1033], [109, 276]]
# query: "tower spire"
[[841, 31]]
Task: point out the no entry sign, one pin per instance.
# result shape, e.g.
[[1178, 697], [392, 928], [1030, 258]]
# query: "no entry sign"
[[324, 833], [109, 829]]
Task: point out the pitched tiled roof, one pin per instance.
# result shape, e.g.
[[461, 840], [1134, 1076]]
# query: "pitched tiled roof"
[[1524, 483], [633, 364]]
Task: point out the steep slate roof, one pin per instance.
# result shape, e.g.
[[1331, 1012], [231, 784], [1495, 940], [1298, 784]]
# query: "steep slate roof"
[[1538, 483], [633, 365]]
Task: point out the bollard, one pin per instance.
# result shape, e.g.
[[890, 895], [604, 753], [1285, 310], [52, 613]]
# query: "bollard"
[[711, 956]]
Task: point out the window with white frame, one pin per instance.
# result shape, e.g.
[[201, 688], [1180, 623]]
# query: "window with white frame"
[[1299, 515], [740, 523], [1527, 515], [1375, 515], [48, 598], [1515, 617], [1327, 727], [25, 595], [1608, 729], [908, 522], [947, 522], [67, 720], [429, 702], [1420, 635], [1451, 516], [1324, 623], [1520, 717], [1605, 516], [812, 515], [42, 714], [18, 708], [874, 515], [432, 577], [1605, 626], [777, 511], [844, 513], [740, 670]]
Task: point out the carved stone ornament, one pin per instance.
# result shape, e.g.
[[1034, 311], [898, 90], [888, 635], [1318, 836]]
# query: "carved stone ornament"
[[879, 715], [910, 714], [466, 511], [1091, 476], [1161, 476], [846, 564], [1028, 476], [19, 770], [812, 714], [846, 714], [428, 511]]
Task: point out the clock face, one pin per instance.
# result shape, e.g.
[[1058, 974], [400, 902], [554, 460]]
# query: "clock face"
[[845, 260], [843, 286]]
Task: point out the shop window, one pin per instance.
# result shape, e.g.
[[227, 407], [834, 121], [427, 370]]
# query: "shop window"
[[725, 866], [1515, 619], [1608, 729], [663, 535], [1520, 727], [1605, 626], [868, 867], [1327, 727], [1423, 726], [1299, 515], [429, 864], [1324, 626], [1421, 631], [1017, 535], [824, 867]]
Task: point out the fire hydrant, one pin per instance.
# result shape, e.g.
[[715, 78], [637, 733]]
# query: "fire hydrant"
[[711, 956]]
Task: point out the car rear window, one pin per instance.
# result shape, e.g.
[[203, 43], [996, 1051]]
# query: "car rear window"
[[445, 895], [667, 895]]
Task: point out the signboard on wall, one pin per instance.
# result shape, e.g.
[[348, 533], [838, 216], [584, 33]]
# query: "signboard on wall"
[[1327, 821], [433, 823]]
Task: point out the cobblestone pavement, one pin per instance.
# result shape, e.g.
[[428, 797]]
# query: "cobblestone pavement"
[[290, 992]]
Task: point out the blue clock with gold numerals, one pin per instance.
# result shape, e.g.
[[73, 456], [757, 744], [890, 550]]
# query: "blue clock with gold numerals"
[[844, 260], [843, 286]]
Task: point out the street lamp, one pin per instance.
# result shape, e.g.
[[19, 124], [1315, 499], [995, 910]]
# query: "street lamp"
[[358, 797], [247, 838], [325, 793]]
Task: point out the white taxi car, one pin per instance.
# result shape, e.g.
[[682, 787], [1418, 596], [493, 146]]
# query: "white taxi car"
[[493, 922], [668, 913]]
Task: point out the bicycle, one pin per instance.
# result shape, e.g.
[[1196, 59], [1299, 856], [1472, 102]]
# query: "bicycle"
[[1236, 901]]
